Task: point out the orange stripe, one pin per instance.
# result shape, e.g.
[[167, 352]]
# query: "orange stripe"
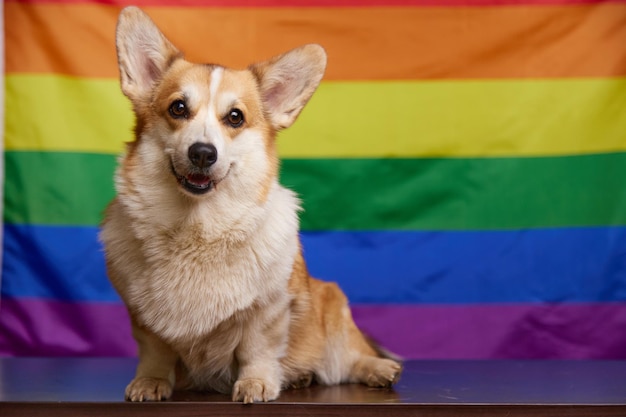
[[363, 43]]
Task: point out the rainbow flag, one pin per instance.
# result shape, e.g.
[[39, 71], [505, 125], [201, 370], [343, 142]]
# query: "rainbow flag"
[[462, 167]]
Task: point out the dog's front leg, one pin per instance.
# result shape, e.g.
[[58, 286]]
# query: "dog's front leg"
[[258, 355], [156, 371]]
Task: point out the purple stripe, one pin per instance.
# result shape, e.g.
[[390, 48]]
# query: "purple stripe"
[[32, 327], [498, 331]]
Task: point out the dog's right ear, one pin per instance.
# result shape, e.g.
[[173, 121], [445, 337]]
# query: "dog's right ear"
[[288, 81], [143, 53]]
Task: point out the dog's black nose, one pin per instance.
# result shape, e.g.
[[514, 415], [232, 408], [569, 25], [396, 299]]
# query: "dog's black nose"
[[202, 155]]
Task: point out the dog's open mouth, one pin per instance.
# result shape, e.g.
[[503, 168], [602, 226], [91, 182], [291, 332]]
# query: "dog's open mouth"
[[197, 183]]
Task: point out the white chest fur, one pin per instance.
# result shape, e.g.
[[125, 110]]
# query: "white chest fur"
[[190, 279]]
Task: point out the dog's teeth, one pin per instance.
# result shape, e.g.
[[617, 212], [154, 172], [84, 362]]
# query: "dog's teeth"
[[199, 181]]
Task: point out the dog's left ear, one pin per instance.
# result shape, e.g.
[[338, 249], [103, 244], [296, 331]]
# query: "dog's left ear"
[[143, 52], [288, 81]]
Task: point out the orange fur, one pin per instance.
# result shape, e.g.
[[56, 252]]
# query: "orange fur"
[[206, 255]]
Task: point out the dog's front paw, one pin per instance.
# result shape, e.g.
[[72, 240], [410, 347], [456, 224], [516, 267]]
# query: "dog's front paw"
[[250, 390], [383, 373], [148, 389]]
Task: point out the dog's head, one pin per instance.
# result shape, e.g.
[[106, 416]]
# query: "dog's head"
[[214, 124]]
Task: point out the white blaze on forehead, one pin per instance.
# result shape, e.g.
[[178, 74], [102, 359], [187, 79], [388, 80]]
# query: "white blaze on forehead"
[[216, 79], [221, 100], [212, 129]]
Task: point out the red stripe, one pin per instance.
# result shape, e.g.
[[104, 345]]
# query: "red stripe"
[[35, 327], [320, 3]]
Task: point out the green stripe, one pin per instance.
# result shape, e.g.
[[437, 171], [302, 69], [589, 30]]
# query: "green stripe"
[[57, 188], [465, 194], [364, 194]]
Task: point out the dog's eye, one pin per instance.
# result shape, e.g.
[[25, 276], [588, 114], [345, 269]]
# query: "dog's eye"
[[234, 117], [178, 109]]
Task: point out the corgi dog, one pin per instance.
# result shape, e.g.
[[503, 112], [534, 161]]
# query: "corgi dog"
[[202, 242]]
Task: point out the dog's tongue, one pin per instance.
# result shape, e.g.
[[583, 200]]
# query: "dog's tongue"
[[198, 179]]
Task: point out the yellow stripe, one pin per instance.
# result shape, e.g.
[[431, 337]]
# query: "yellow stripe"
[[461, 119], [356, 119], [58, 113]]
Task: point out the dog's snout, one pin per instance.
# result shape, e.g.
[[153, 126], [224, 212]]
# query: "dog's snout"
[[202, 155]]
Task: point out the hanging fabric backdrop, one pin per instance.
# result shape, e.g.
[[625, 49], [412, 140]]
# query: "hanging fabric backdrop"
[[462, 167]]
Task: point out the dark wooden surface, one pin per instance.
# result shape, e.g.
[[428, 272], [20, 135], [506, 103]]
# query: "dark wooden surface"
[[94, 386]]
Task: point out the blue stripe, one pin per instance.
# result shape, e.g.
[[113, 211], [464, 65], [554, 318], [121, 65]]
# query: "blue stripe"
[[555, 265], [54, 262], [535, 265]]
